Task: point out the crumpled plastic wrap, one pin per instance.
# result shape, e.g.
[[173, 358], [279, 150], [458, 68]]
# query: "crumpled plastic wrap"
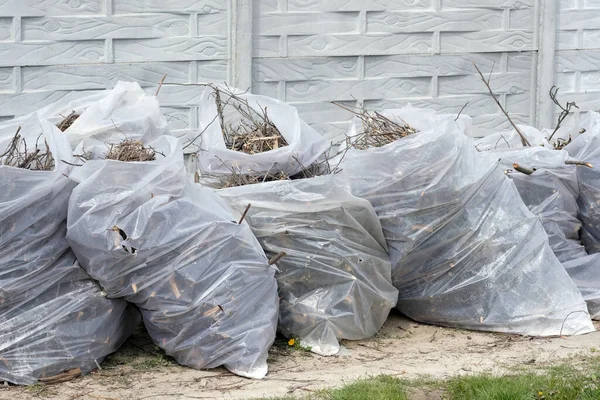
[[53, 318], [206, 292], [466, 252], [551, 193], [335, 280], [304, 144]]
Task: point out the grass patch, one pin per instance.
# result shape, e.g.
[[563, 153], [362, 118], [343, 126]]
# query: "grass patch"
[[566, 382], [154, 362], [559, 383], [39, 390]]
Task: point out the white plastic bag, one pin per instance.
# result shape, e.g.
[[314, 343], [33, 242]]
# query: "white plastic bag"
[[335, 280], [125, 108], [148, 234], [586, 147], [304, 144], [466, 252], [52, 317], [551, 193]]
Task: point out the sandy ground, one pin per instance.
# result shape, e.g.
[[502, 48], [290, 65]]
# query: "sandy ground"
[[403, 348]]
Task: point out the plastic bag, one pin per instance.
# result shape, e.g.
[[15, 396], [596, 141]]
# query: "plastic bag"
[[551, 193], [335, 280], [466, 252], [52, 317], [125, 108], [201, 281], [304, 144], [586, 147]]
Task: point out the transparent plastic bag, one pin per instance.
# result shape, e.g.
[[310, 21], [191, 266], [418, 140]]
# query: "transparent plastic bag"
[[304, 144], [551, 193], [586, 147], [466, 252], [52, 317], [206, 292], [125, 108], [335, 280]]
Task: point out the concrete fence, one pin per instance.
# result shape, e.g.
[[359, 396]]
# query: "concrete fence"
[[371, 53]]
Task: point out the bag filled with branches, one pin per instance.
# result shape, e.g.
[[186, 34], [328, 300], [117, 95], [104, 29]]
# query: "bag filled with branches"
[[466, 252], [335, 278], [147, 234], [55, 324], [587, 147], [251, 135], [126, 104], [548, 186]]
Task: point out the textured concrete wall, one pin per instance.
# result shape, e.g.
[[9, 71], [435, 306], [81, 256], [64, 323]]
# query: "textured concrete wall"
[[578, 53], [50, 47], [372, 53], [386, 53]]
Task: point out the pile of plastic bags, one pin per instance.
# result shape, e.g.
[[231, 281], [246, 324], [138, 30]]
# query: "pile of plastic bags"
[[426, 223], [53, 318]]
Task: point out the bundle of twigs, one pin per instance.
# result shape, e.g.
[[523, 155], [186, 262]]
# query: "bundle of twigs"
[[67, 121], [130, 150], [254, 133], [235, 179], [18, 155], [378, 130]]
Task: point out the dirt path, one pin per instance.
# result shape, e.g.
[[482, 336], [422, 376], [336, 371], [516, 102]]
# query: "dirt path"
[[403, 348]]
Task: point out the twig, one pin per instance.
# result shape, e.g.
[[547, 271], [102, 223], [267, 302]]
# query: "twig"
[[200, 134], [244, 213], [378, 130], [461, 110], [62, 377], [277, 257], [160, 84], [582, 163], [506, 141], [523, 170], [487, 84], [565, 111]]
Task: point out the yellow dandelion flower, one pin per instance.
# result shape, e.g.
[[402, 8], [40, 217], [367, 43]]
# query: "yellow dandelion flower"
[[540, 394], [292, 342]]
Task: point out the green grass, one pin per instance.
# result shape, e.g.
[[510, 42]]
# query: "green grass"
[[557, 383], [562, 383]]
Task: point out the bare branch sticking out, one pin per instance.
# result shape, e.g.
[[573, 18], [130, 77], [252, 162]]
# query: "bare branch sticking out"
[[522, 170], [580, 163], [487, 84], [564, 113]]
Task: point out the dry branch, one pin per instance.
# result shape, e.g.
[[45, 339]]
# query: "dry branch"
[[160, 84], [564, 112], [67, 121], [277, 257], [581, 163], [487, 84], [244, 213], [130, 150], [378, 130], [18, 155], [523, 170], [254, 133]]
